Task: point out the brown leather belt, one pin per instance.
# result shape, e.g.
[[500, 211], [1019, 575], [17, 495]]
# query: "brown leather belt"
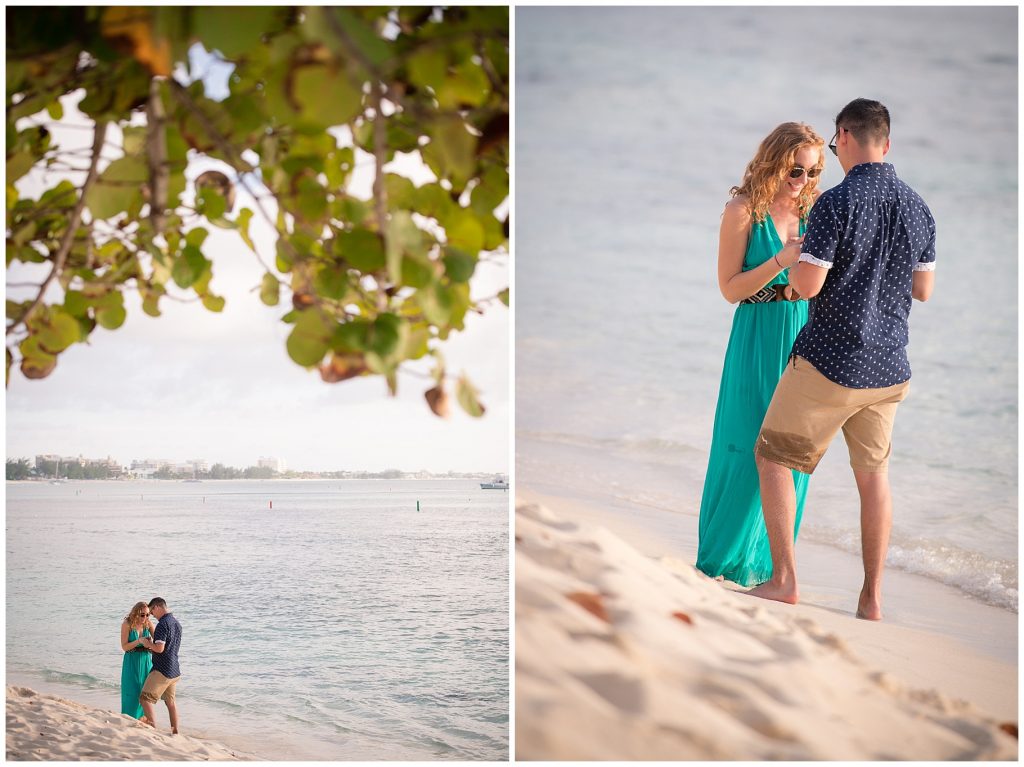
[[771, 293]]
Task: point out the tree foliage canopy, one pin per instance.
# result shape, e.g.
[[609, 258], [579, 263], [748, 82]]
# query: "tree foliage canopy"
[[373, 282]]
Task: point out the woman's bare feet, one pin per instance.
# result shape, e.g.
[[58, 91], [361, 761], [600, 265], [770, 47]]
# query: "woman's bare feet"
[[777, 591]]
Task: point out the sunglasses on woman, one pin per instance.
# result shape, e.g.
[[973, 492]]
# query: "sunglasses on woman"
[[797, 172]]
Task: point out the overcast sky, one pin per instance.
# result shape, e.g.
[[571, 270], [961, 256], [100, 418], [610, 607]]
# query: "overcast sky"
[[194, 384]]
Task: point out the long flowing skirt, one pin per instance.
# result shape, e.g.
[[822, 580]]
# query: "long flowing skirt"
[[733, 539]]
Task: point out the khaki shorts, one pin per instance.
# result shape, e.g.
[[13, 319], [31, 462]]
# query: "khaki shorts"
[[158, 686], [807, 411]]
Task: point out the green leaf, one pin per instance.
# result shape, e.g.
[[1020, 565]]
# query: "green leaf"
[[211, 203], [437, 302], [117, 187], [188, 267], [417, 271], [196, 237], [244, 217], [110, 312], [232, 30], [75, 303], [311, 200], [331, 282], [151, 303], [60, 331], [351, 336], [213, 303], [310, 339], [469, 398], [326, 96], [458, 265], [503, 296], [134, 141], [404, 237], [361, 248], [35, 363], [428, 67], [19, 164], [466, 86], [465, 232], [270, 290], [451, 151], [384, 335]]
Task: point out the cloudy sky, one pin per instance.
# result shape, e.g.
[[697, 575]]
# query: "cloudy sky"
[[194, 384]]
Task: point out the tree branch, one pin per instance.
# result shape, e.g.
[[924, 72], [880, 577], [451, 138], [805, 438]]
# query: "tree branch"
[[69, 236]]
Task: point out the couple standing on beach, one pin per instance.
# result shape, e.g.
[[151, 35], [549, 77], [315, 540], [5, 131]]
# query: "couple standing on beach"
[[149, 670], [824, 283]]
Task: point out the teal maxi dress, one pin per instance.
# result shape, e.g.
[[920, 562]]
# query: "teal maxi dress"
[[733, 539], [134, 669]]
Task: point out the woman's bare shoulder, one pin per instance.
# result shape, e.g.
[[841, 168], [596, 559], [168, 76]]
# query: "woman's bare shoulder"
[[737, 209]]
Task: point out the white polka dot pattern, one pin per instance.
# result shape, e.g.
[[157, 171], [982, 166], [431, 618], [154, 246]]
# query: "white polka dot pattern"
[[871, 232]]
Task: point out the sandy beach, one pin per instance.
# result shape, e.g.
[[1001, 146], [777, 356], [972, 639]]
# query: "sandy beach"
[[625, 651], [48, 728]]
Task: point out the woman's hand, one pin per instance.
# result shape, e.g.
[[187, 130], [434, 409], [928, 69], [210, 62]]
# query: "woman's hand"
[[790, 254]]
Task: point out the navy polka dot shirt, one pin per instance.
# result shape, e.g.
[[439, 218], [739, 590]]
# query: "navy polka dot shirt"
[[872, 232]]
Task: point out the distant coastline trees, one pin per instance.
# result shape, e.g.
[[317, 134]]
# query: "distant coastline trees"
[[366, 284]]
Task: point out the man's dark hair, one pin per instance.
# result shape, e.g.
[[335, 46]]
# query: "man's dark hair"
[[867, 120], [157, 602]]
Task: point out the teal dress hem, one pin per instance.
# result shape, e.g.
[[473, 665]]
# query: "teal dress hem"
[[733, 540]]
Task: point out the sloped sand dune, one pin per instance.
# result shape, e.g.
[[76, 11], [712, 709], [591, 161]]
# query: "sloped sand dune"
[[47, 728], [619, 656]]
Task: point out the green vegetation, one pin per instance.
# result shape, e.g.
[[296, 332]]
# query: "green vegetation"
[[364, 284], [19, 469]]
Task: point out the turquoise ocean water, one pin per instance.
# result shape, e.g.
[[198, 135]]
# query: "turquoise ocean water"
[[632, 124], [340, 624]]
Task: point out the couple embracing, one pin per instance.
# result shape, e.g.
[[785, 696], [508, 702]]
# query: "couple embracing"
[[149, 669], [824, 283]]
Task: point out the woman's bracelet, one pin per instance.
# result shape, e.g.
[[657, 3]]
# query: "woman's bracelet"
[[776, 257]]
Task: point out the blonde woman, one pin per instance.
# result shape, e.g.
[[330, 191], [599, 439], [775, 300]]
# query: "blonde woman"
[[767, 212], [137, 662]]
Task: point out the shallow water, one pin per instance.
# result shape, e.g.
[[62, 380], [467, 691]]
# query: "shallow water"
[[632, 124], [340, 624]]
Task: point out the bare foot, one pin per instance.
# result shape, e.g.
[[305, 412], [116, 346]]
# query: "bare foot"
[[777, 592], [869, 608], [174, 731]]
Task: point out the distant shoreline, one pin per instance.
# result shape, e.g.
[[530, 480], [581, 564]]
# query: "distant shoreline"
[[467, 477]]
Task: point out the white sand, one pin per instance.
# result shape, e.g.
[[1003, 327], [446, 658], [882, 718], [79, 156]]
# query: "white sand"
[[620, 655], [48, 728]]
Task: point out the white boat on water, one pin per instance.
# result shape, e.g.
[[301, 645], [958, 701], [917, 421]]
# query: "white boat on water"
[[498, 483]]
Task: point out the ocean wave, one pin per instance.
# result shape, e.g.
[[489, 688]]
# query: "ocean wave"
[[646, 446], [988, 579], [78, 680]]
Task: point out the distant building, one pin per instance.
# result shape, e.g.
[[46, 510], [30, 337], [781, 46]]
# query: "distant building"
[[274, 464]]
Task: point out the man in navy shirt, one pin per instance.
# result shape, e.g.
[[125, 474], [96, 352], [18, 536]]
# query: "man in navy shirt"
[[163, 679], [868, 249]]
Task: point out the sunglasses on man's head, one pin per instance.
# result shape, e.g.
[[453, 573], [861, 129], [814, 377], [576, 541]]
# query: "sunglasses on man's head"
[[796, 172]]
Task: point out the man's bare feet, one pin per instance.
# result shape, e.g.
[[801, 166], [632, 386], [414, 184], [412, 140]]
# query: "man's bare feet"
[[777, 592], [174, 731], [869, 608]]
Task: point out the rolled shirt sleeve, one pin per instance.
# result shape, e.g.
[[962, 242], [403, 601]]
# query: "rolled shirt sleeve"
[[926, 263], [823, 234]]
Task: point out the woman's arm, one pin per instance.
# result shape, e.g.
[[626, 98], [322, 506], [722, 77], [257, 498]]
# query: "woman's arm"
[[125, 644], [734, 234]]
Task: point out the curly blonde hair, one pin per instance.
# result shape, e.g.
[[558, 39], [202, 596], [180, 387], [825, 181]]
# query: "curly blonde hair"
[[774, 158], [134, 617]]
